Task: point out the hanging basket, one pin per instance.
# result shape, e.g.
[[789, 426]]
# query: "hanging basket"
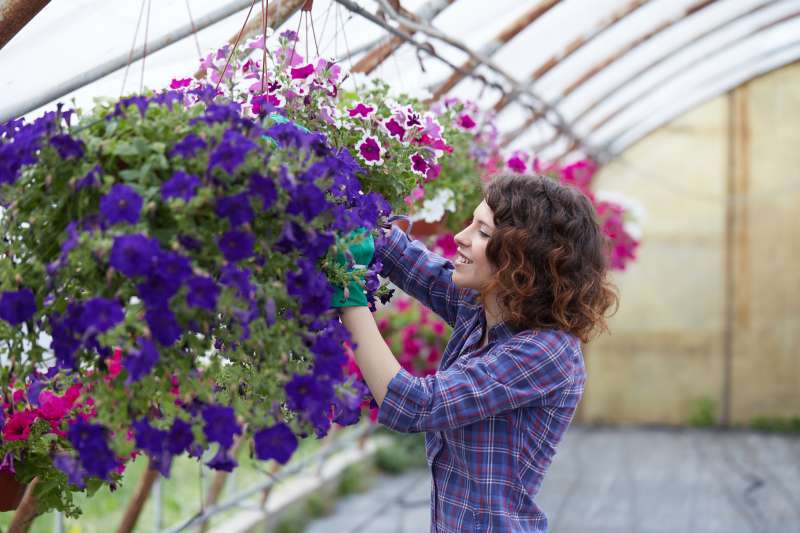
[[11, 491]]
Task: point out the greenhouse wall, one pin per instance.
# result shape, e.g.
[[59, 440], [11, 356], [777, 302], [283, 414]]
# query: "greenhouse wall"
[[709, 323]]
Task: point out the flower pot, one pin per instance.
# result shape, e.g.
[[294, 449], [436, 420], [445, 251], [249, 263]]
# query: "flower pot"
[[11, 491], [427, 229]]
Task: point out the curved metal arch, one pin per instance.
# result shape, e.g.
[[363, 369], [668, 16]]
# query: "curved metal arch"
[[685, 68], [592, 72], [372, 60], [658, 61], [766, 63], [573, 47], [489, 49]]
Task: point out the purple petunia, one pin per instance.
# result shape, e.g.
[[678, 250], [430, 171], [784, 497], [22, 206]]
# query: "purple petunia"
[[121, 204], [236, 208], [71, 467], [236, 245], [361, 110], [153, 442], [306, 199], [310, 287], [220, 424], [188, 146], [418, 164], [265, 189], [17, 307], [231, 151], [307, 392], [102, 314], [180, 437], [395, 129], [90, 441], [180, 185], [163, 325], [275, 442], [133, 255], [203, 293], [223, 461], [90, 179], [67, 147], [140, 362], [370, 150], [239, 278]]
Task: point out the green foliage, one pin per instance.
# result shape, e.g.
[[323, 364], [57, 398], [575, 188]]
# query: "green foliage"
[[407, 451], [703, 412], [353, 479], [775, 424]]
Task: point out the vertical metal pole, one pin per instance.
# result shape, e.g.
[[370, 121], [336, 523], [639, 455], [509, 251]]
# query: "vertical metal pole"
[[159, 508], [58, 522]]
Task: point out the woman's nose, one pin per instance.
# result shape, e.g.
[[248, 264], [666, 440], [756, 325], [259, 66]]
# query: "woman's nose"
[[460, 239]]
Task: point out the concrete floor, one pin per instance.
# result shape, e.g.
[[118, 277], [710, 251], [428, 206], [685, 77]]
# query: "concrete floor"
[[626, 480]]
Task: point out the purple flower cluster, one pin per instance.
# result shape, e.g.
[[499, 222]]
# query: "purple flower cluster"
[[90, 441]]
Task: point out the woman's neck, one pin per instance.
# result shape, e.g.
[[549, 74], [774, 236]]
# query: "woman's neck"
[[493, 313]]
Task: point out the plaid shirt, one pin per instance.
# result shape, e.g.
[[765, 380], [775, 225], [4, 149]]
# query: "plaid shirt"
[[492, 416]]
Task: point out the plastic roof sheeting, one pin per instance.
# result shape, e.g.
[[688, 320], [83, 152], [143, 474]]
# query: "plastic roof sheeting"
[[678, 53]]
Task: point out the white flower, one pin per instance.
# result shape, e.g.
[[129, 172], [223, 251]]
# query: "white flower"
[[433, 209]]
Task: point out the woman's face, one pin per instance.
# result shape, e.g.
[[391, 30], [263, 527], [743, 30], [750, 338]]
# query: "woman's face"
[[472, 268]]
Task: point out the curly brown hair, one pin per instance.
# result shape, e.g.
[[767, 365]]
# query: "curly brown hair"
[[549, 255]]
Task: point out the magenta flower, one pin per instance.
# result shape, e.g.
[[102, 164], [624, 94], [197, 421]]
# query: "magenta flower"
[[413, 119], [370, 150], [418, 164], [394, 129], [177, 84], [432, 127], [516, 164], [301, 73], [361, 110], [465, 121]]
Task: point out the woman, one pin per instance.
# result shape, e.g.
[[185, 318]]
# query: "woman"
[[527, 287]]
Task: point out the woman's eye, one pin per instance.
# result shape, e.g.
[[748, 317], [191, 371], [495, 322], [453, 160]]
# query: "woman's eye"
[[484, 234]]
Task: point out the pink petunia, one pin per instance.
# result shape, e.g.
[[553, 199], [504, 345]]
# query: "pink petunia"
[[301, 73], [394, 129], [370, 151], [579, 173], [53, 407], [418, 164], [402, 304], [447, 244], [177, 84], [438, 328], [516, 164], [18, 426], [433, 173], [432, 127], [465, 121], [289, 56], [328, 70], [361, 110]]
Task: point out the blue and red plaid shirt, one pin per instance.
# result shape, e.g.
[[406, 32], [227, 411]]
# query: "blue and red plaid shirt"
[[492, 415]]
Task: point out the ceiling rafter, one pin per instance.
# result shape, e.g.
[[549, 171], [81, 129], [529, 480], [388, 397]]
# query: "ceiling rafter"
[[489, 49], [15, 14], [765, 66], [658, 61], [596, 69], [721, 49], [573, 47], [547, 109], [372, 60]]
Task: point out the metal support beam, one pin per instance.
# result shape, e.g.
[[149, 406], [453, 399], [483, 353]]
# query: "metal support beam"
[[592, 72], [574, 46], [120, 61], [709, 56], [658, 61], [545, 107], [788, 53], [427, 13], [508, 33], [14, 14]]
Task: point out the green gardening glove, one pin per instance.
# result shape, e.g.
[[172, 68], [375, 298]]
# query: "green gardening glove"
[[362, 252]]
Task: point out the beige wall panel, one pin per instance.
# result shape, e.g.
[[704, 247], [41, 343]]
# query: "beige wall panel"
[[766, 369], [666, 347]]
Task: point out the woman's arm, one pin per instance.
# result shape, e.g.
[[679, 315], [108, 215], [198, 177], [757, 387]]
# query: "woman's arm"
[[421, 273], [373, 356]]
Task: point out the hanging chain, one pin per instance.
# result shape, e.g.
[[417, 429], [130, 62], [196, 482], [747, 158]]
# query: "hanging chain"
[[235, 46]]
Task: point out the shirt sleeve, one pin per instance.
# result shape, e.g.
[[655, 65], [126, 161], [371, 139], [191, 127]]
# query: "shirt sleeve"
[[503, 379], [426, 276]]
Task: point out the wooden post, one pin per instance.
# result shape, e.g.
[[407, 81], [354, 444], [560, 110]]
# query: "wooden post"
[[26, 512], [136, 503]]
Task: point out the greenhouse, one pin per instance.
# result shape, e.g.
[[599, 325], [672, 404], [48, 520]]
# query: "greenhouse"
[[401, 265]]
